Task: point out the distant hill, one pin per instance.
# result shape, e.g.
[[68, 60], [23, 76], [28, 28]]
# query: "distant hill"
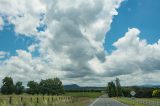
[[71, 87], [79, 88], [145, 86], [75, 87], [150, 86]]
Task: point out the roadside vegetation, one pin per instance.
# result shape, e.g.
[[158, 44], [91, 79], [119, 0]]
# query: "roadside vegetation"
[[144, 96], [45, 87], [114, 89]]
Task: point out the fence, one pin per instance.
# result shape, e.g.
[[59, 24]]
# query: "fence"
[[32, 100]]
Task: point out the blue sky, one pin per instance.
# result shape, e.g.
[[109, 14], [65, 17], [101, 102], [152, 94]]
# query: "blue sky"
[[62, 38], [141, 14], [10, 41]]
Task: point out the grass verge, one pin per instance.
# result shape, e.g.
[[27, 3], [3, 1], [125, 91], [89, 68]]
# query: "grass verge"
[[128, 102]]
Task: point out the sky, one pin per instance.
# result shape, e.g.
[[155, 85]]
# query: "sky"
[[82, 42]]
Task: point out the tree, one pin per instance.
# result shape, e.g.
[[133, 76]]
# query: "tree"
[[33, 87], [8, 86], [118, 87], [51, 86], [19, 88], [58, 86], [111, 89]]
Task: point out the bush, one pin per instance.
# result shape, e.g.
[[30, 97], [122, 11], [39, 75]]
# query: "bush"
[[156, 93]]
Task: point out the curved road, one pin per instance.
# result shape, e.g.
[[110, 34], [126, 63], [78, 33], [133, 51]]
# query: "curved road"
[[105, 101]]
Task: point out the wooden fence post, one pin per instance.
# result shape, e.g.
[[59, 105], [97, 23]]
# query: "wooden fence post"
[[48, 99], [31, 99], [21, 99], [10, 100], [37, 100], [52, 99]]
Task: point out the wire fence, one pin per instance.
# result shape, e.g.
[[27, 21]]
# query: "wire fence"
[[35, 100]]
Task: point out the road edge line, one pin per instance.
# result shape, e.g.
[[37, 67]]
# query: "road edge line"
[[94, 102]]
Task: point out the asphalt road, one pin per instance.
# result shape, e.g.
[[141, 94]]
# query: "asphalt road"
[[105, 101]]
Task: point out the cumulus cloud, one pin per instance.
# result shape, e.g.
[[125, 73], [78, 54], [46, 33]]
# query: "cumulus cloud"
[[77, 31], [135, 58], [74, 35], [133, 54]]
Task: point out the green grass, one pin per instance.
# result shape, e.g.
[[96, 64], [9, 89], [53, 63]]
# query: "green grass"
[[128, 102], [84, 94], [151, 99]]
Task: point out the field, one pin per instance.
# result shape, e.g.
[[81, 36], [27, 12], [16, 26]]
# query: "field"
[[84, 94], [139, 101], [69, 99]]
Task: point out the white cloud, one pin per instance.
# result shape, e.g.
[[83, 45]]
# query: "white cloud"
[[1, 23], [77, 31], [24, 14], [32, 47], [3, 54], [24, 67]]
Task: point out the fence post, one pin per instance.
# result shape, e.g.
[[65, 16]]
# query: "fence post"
[[52, 99], [37, 100], [21, 99], [48, 99], [31, 99], [10, 100]]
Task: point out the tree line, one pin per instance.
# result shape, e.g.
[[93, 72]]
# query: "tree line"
[[114, 89], [52, 86]]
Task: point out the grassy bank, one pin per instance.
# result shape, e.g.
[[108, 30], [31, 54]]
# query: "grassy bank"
[[139, 101]]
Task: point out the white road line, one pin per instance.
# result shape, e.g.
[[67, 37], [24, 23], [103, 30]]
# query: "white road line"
[[120, 102], [94, 102]]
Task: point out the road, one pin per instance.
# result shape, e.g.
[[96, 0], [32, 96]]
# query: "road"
[[105, 101]]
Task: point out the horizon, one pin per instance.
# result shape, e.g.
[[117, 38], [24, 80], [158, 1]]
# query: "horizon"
[[87, 43]]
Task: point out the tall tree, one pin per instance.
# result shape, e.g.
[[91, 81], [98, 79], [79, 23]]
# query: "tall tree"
[[8, 86], [19, 88], [118, 87], [33, 87], [111, 89]]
